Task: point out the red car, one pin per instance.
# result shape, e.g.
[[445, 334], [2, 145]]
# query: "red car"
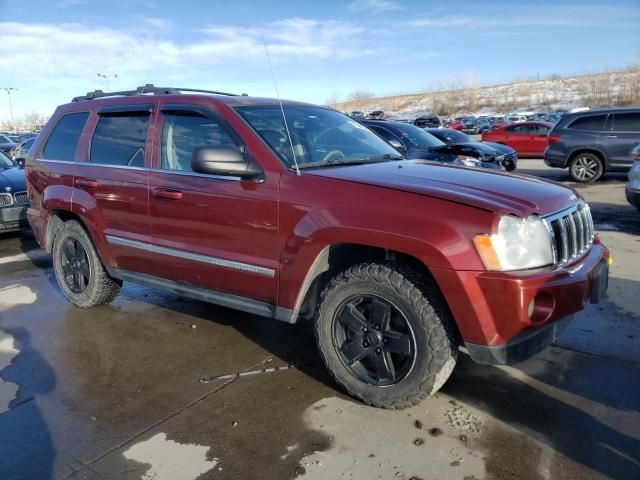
[[457, 125], [528, 139], [314, 218]]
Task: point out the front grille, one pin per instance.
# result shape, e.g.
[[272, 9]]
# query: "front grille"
[[571, 233], [21, 198], [6, 200]]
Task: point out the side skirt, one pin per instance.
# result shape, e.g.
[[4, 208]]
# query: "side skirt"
[[224, 299]]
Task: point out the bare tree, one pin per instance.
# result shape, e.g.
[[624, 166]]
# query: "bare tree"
[[360, 95]]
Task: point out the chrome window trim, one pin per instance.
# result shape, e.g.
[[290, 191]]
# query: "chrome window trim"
[[108, 165], [202, 175], [196, 257]]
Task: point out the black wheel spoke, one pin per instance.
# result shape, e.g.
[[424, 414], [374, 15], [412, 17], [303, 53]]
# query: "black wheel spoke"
[[380, 314], [84, 269], [354, 350], [69, 251], [353, 318], [398, 343], [384, 366], [67, 269], [82, 284]]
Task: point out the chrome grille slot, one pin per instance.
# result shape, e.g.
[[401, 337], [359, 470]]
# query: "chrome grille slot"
[[6, 200], [572, 233], [21, 198]]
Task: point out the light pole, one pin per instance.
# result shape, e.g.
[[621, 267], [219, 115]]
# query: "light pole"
[[9, 90], [107, 77]]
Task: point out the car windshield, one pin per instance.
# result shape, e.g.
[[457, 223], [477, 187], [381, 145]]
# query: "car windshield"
[[452, 136], [5, 139], [319, 136], [5, 162], [417, 137]]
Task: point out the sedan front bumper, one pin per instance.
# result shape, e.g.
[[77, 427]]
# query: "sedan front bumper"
[[13, 219]]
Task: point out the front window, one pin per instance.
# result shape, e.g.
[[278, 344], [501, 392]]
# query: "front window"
[[318, 136], [417, 137], [5, 139], [5, 162]]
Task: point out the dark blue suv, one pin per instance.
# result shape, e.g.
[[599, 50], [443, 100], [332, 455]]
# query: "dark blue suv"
[[593, 142]]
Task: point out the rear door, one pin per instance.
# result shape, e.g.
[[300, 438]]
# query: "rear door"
[[517, 137], [112, 180], [215, 232], [620, 135]]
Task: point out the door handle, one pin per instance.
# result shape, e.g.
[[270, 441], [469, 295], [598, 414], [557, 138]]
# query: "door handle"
[[86, 182], [167, 194]]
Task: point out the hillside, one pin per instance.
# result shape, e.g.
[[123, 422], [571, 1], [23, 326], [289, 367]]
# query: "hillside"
[[556, 93]]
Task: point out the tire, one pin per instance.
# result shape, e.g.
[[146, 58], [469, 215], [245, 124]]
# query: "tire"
[[586, 168], [73, 253], [416, 337]]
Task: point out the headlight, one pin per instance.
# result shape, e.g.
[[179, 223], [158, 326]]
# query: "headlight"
[[518, 244], [469, 161]]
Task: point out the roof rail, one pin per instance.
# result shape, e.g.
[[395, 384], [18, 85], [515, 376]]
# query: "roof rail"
[[149, 88]]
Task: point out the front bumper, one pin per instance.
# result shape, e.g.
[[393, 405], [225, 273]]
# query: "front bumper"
[[506, 317], [13, 219]]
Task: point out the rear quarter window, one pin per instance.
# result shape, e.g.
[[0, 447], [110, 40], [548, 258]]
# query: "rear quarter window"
[[592, 123], [63, 141]]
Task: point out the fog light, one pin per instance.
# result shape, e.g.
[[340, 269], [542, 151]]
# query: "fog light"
[[541, 307]]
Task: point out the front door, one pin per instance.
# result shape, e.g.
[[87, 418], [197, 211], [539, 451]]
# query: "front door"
[[113, 178], [208, 231]]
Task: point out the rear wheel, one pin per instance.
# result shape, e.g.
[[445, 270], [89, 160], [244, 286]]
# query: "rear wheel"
[[586, 168], [383, 338], [79, 272]]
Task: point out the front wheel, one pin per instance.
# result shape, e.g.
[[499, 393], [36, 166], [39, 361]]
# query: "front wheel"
[[383, 337], [79, 271], [586, 168]]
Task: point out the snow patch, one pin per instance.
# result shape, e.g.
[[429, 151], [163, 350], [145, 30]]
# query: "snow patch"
[[14, 258], [170, 460], [14, 295], [8, 352]]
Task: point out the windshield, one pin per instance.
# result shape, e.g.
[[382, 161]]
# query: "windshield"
[[452, 136], [5, 162], [5, 139], [319, 136], [417, 137]]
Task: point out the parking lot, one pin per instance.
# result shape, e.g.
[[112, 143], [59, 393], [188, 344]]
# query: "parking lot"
[[155, 386]]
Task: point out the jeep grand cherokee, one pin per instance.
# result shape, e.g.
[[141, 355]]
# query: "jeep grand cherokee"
[[298, 212]]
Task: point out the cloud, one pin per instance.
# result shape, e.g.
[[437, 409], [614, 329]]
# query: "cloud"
[[373, 7], [155, 22], [448, 21]]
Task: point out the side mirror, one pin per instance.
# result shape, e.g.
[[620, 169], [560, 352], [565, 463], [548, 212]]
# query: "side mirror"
[[20, 162], [224, 161], [397, 145]]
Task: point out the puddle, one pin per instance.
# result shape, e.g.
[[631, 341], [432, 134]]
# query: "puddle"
[[170, 460]]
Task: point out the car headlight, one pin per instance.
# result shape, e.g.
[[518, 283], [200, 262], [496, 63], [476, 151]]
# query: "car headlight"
[[518, 244], [469, 161]]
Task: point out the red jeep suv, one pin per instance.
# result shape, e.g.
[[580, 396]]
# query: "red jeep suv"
[[298, 212]]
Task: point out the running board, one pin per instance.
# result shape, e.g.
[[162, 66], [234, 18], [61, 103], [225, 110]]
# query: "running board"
[[224, 299]]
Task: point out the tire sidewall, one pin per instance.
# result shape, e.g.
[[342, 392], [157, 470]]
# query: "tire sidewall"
[[598, 174], [324, 328], [77, 233]]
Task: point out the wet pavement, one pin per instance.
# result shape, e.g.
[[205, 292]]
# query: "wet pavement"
[[147, 387]]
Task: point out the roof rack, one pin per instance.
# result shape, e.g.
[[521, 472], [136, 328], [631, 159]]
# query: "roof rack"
[[149, 88]]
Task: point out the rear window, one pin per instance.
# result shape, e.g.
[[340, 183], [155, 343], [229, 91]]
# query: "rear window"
[[592, 122], [120, 140], [63, 141], [626, 122]]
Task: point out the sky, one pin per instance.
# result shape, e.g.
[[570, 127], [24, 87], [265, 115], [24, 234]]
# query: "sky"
[[53, 50]]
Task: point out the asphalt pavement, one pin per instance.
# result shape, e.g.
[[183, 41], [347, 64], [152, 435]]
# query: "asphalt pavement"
[[154, 386]]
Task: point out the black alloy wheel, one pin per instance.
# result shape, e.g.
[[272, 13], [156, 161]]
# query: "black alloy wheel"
[[75, 265], [374, 340]]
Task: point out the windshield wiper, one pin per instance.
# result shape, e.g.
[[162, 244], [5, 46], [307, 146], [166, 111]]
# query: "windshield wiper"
[[352, 161]]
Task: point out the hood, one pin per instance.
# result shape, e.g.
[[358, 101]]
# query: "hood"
[[498, 146], [481, 188], [479, 148], [434, 155], [13, 178]]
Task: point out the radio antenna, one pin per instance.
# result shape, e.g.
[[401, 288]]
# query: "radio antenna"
[[286, 125]]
